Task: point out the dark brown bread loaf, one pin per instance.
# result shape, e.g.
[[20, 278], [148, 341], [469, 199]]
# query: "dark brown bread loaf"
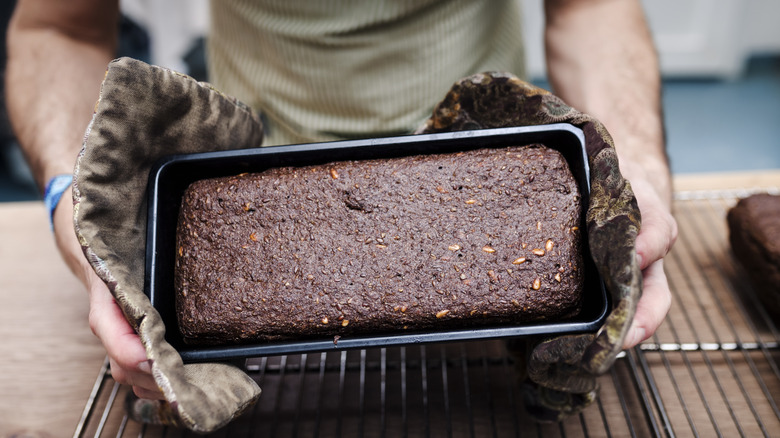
[[465, 239], [754, 234]]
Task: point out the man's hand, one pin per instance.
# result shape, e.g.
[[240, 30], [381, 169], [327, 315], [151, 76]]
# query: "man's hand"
[[655, 239], [601, 61], [126, 353]]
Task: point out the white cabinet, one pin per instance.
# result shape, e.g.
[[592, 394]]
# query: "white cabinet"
[[711, 38]]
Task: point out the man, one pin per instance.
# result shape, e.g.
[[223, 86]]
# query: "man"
[[600, 59]]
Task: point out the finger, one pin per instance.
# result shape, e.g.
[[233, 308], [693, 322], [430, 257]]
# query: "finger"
[[144, 393], [128, 357], [142, 382], [108, 324], [656, 238], [652, 306]]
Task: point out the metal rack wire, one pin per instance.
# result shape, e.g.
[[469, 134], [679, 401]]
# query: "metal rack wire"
[[710, 370]]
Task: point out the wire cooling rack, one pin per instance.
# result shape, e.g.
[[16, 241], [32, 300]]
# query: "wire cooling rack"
[[710, 370]]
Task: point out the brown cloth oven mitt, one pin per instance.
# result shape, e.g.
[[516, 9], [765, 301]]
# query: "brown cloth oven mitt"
[[562, 371], [144, 113]]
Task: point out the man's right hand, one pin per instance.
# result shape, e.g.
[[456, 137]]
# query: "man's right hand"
[[126, 353]]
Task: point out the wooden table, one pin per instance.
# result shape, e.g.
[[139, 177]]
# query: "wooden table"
[[52, 359]]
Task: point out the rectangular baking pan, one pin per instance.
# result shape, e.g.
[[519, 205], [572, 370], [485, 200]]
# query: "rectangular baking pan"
[[172, 175]]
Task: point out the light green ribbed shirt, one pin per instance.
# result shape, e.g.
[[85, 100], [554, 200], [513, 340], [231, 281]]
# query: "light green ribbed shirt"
[[335, 69]]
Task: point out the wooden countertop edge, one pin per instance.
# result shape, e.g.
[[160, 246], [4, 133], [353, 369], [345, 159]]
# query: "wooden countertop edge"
[[726, 180]]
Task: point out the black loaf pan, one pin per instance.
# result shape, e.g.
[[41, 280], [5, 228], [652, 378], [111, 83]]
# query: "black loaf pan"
[[172, 175]]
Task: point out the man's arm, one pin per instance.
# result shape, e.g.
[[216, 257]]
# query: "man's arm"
[[57, 56], [601, 60]]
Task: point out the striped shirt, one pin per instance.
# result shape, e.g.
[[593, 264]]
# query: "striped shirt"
[[338, 69]]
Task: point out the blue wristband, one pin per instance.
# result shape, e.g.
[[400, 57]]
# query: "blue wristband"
[[54, 190]]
